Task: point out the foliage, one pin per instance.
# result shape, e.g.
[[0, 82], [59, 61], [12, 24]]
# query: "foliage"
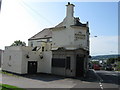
[[9, 87], [118, 66], [18, 43], [104, 57], [95, 62], [111, 60], [115, 61], [9, 74], [118, 59]]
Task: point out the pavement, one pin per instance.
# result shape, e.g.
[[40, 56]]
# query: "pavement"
[[45, 81]]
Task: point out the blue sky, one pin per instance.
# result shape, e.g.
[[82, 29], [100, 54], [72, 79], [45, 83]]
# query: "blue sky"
[[22, 19]]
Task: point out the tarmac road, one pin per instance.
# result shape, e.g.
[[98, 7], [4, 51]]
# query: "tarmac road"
[[109, 79]]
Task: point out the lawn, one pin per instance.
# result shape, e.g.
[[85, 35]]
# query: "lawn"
[[9, 87]]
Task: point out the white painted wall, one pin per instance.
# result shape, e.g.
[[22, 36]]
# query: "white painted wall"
[[62, 38], [41, 43], [80, 42], [45, 63], [33, 56], [66, 37], [37, 42], [15, 63], [19, 63]]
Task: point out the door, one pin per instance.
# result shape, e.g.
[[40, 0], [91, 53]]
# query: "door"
[[32, 67], [68, 70], [79, 66], [67, 63]]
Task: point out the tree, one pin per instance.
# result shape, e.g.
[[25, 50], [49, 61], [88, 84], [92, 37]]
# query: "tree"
[[95, 62], [18, 43], [111, 60]]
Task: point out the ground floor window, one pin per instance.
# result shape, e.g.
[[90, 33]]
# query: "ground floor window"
[[58, 62]]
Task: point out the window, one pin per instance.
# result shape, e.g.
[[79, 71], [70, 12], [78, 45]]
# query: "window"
[[9, 58], [31, 44], [48, 40], [58, 62], [42, 48], [67, 62]]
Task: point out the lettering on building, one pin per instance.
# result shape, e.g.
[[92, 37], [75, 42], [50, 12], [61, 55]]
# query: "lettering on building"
[[79, 35]]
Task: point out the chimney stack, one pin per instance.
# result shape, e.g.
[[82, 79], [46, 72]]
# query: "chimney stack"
[[70, 10]]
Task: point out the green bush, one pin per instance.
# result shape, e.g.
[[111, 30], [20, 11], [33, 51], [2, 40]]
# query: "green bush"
[[118, 66]]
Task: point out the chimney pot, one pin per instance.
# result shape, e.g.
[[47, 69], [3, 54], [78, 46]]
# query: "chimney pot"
[[70, 10]]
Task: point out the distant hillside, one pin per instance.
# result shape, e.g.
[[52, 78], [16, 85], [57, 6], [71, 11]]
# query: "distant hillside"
[[103, 57]]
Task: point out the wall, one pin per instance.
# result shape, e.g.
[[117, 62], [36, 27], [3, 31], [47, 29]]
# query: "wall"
[[80, 37], [62, 54], [37, 42], [33, 56], [41, 43], [71, 37], [62, 38], [12, 58], [62, 70], [45, 63]]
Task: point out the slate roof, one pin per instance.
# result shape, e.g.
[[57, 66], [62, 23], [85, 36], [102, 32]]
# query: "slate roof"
[[78, 23], [45, 33]]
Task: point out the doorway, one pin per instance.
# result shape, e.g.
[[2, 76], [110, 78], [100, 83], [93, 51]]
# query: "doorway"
[[79, 66], [32, 67]]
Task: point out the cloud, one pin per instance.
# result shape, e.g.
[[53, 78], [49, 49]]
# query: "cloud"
[[104, 45]]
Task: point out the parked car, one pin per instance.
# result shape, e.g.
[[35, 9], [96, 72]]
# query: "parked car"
[[109, 68], [96, 67]]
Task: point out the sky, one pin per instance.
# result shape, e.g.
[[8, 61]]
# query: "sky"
[[21, 19]]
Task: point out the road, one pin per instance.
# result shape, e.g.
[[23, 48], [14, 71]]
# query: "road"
[[105, 80], [109, 79]]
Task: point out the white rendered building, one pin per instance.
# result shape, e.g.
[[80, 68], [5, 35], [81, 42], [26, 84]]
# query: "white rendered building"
[[61, 50]]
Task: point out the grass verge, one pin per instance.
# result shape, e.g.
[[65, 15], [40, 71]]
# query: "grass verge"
[[9, 74], [9, 87]]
